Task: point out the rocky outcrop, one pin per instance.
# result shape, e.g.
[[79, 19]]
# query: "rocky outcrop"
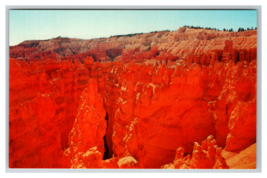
[[204, 156], [136, 112], [127, 162], [86, 137], [187, 104], [246, 159], [43, 104], [185, 41]]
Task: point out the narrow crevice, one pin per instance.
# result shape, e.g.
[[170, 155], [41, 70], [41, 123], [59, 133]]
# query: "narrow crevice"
[[237, 58], [226, 109], [106, 153]]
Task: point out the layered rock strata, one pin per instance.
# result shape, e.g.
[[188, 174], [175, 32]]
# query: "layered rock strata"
[[138, 113]]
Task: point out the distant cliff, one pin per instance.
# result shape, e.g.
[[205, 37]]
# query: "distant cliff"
[[178, 43]]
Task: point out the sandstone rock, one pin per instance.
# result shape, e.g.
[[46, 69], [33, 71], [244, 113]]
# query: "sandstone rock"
[[246, 159], [127, 162], [110, 163], [179, 43], [204, 156], [89, 126], [181, 29], [157, 98], [90, 159]]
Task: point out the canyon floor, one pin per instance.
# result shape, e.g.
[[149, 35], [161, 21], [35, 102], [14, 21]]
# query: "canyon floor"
[[182, 99]]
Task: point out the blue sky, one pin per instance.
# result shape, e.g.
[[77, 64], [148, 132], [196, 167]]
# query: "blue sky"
[[87, 24]]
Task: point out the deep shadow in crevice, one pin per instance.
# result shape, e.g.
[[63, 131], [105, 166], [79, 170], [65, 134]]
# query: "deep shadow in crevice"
[[106, 149], [237, 58], [106, 153]]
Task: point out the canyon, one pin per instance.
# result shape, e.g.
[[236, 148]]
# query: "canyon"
[[182, 99]]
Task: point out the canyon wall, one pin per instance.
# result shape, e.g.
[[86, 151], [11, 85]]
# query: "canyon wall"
[[150, 108]]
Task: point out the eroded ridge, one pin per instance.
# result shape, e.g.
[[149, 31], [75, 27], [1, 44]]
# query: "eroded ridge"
[[149, 108]]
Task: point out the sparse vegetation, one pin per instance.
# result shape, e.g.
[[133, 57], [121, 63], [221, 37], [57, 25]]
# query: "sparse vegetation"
[[129, 35], [209, 28], [133, 34]]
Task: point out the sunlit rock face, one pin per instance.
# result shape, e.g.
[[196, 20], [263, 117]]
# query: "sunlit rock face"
[[180, 99], [204, 156]]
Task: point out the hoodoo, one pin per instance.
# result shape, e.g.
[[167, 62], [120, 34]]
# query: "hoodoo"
[[168, 99]]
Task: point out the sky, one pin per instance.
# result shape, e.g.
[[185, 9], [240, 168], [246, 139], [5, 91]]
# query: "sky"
[[88, 24]]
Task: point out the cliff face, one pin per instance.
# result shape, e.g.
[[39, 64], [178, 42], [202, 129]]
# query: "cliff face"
[[204, 156], [179, 44], [141, 111]]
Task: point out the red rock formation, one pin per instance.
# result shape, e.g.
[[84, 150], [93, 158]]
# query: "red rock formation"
[[127, 162], [110, 163], [136, 112], [204, 156], [43, 104], [246, 159], [89, 129], [185, 41]]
